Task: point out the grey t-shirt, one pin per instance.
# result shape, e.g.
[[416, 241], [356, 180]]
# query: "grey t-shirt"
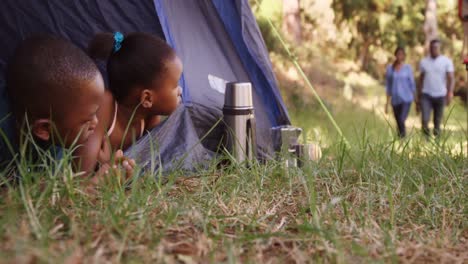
[[435, 75]]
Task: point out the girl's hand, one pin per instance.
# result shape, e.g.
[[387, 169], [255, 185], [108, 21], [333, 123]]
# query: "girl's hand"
[[127, 164], [119, 162]]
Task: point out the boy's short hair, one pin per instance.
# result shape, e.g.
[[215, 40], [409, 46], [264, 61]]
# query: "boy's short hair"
[[434, 41], [44, 74]]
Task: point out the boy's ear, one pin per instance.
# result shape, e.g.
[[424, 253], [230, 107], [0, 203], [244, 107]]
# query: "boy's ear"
[[42, 128], [147, 98]]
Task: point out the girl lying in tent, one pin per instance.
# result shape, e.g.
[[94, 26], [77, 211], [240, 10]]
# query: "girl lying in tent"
[[143, 73]]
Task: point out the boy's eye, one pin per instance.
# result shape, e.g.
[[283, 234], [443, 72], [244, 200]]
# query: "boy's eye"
[[89, 121]]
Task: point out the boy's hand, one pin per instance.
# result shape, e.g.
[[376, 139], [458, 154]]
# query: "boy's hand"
[[100, 174], [449, 97]]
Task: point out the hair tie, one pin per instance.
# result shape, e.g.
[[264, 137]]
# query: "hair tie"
[[118, 38]]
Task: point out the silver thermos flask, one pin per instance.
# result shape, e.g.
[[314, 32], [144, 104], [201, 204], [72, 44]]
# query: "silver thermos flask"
[[239, 120]]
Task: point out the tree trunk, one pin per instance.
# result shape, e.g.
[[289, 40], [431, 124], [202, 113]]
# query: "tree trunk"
[[292, 20], [430, 23]]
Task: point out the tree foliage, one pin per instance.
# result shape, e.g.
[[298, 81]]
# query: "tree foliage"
[[381, 23], [367, 31]]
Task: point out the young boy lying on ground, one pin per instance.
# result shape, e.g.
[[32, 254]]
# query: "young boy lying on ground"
[[56, 90]]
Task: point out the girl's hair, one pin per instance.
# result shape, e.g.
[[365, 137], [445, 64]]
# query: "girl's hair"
[[399, 49], [396, 52], [138, 61]]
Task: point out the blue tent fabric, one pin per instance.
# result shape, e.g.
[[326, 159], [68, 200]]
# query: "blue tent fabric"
[[167, 33], [208, 48], [247, 46], [153, 151], [217, 41]]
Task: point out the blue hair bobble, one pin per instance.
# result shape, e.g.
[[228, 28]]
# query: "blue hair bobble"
[[118, 38]]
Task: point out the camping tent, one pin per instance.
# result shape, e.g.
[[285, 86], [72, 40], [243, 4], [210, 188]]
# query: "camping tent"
[[217, 40]]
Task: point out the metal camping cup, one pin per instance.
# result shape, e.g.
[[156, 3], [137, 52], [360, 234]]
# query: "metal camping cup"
[[239, 119], [285, 138], [307, 152]]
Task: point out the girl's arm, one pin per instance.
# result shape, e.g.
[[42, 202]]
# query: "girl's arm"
[[412, 83], [388, 88], [88, 154], [420, 86], [387, 103]]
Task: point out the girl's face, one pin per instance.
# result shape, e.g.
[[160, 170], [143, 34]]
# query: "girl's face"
[[400, 56], [167, 90]]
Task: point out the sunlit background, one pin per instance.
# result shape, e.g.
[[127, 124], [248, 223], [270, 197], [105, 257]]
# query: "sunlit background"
[[344, 48]]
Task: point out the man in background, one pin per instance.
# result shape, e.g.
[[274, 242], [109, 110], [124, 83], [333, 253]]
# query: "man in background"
[[435, 89]]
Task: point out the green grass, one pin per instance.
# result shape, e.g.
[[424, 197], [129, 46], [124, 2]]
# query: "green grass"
[[379, 200], [375, 126]]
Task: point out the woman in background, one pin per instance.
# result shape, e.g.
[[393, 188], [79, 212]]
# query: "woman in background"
[[400, 88]]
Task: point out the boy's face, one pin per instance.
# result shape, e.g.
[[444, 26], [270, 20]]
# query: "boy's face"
[[167, 91], [435, 49], [80, 119]]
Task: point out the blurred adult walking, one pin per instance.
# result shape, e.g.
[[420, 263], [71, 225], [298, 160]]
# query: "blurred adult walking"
[[435, 89], [400, 88]]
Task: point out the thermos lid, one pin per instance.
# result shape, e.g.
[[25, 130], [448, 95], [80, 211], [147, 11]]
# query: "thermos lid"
[[238, 95]]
